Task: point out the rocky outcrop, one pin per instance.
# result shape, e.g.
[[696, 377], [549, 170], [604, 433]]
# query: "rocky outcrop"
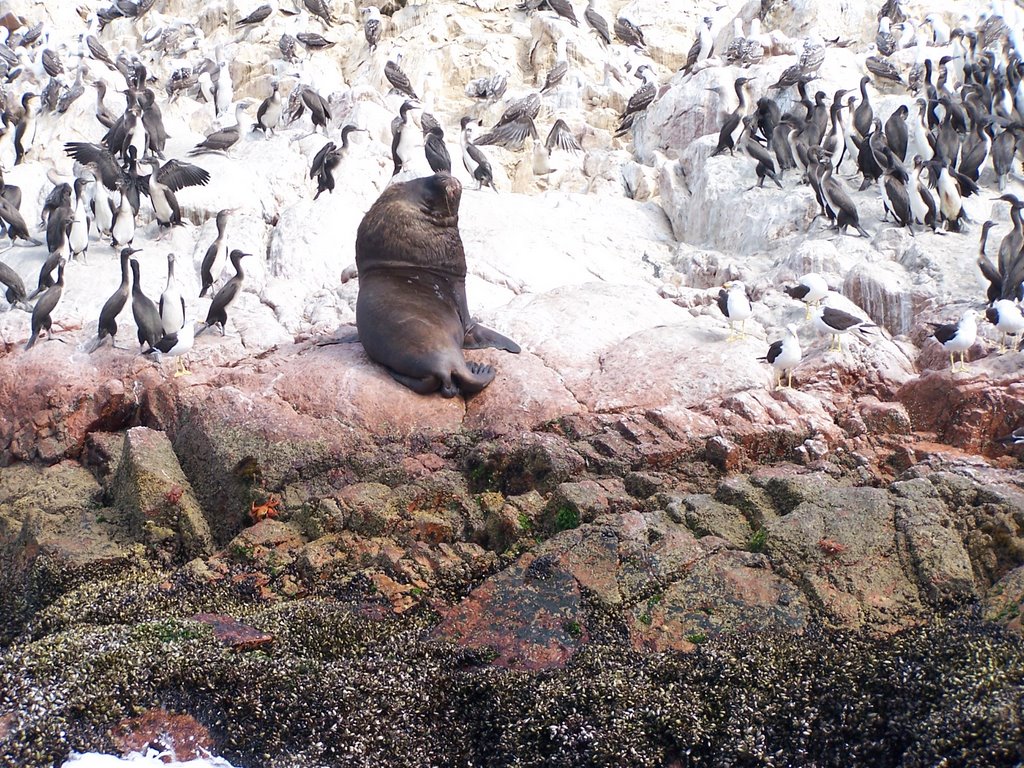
[[151, 491], [629, 548]]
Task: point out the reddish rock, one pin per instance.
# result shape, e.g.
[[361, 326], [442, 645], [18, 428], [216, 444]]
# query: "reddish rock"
[[233, 633], [368, 508], [181, 735], [530, 615], [340, 384], [402, 597], [269, 542], [524, 394], [51, 401], [884, 418], [968, 410]]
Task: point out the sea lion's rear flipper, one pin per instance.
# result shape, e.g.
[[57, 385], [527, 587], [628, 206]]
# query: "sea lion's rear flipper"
[[477, 376], [480, 337], [423, 386]]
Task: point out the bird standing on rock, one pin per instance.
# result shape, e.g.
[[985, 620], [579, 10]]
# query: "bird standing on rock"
[[597, 22], [640, 100], [327, 159], [107, 325], [223, 139], [733, 125], [735, 305], [784, 355], [371, 26], [1008, 319], [958, 337], [218, 313], [147, 316], [473, 158], [172, 303], [42, 312], [810, 289], [216, 254], [269, 113], [177, 345], [836, 323]]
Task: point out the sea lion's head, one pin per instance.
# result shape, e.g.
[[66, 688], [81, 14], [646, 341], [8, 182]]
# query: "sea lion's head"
[[413, 224], [439, 197]]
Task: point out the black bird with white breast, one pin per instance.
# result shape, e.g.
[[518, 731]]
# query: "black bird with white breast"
[[784, 355], [473, 158], [165, 180], [837, 322], [327, 159], [1016, 437], [733, 124], [269, 113], [42, 312], [958, 337], [112, 307], [1008, 319], [177, 345], [218, 312], [216, 255], [25, 133], [145, 312], [735, 305], [172, 303], [811, 289]]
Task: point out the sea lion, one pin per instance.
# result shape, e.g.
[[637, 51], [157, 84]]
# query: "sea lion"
[[411, 311]]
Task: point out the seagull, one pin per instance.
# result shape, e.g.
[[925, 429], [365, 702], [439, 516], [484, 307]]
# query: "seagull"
[[735, 305], [836, 322], [958, 337], [810, 289], [1008, 319], [784, 355], [176, 345]]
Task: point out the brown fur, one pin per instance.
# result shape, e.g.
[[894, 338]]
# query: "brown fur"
[[411, 313]]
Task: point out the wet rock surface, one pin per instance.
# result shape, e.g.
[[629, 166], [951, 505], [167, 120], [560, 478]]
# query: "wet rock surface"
[[404, 581]]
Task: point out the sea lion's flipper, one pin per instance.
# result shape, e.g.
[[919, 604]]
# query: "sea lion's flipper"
[[480, 337], [423, 386], [481, 376]]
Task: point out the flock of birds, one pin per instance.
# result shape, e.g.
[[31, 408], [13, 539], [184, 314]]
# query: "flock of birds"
[[103, 203], [967, 82], [969, 112]]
